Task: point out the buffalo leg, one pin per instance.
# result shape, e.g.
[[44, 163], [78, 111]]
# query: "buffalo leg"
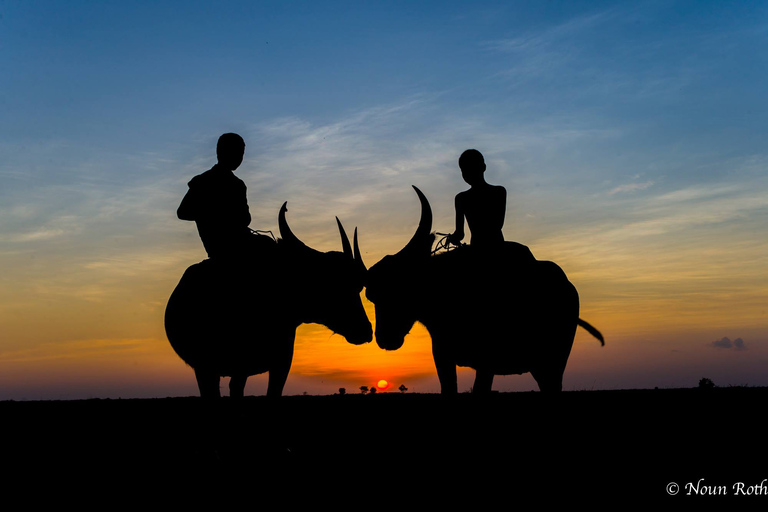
[[278, 373], [207, 383], [277, 378], [446, 372], [548, 382], [237, 386], [483, 383]]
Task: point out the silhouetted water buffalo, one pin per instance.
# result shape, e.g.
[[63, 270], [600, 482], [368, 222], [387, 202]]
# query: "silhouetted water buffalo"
[[237, 322], [498, 311]]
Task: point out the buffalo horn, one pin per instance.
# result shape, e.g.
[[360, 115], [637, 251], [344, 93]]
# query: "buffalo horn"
[[344, 240], [358, 256], [425, 224], [285, 232]]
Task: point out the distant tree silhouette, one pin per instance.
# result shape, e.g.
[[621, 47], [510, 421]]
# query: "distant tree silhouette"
[[706, 384], [373, 391], [402, 388], [342, 391], [364, 389]]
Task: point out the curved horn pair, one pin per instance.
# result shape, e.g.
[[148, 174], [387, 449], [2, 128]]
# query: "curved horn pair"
[[288, 236], [345, 244]]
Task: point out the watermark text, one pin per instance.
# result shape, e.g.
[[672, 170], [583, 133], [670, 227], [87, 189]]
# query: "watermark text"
[[703, 488]]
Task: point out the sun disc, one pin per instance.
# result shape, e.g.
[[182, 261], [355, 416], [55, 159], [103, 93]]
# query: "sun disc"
[[382, 384]]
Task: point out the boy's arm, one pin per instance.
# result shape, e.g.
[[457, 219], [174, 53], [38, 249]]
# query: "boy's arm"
[[244, 213], [186, 209], [502, 206], [458, 235]]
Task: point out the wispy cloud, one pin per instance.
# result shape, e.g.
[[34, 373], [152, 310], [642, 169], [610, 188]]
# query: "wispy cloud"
[[663, 221], [645, 60], [630, 187], [544, 52], [549, 37]]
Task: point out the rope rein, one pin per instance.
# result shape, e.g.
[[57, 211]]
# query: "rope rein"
[[263, 232], [444, 244]]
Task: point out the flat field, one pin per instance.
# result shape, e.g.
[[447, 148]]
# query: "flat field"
[[674, 446]]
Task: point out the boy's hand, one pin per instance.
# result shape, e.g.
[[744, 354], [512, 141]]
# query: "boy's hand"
[[454, 239]]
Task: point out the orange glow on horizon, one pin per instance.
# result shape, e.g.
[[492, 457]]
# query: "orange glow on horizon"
[[321, 354]]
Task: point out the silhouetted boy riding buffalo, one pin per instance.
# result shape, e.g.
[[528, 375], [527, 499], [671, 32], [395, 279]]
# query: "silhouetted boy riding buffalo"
[[512, 315], [236, 313], [222, 323], [504, 313]]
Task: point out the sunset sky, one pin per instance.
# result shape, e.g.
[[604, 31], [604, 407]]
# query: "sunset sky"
[[631, 138]]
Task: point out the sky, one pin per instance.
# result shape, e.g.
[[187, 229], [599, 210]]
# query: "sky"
[[630, 136]]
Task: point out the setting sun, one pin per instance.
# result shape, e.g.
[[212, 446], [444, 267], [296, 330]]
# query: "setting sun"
[[382, 384]]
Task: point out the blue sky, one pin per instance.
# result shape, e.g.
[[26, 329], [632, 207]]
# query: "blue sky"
[[630, 136]]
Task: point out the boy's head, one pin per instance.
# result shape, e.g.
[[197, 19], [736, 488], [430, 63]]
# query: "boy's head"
[[230, 151], [472, 165]]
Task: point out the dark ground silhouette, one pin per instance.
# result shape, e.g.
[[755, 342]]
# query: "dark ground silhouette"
[[584, 447]]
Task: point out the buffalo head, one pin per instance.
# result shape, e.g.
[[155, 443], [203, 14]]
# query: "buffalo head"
[[328, 283], [391, 283]]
